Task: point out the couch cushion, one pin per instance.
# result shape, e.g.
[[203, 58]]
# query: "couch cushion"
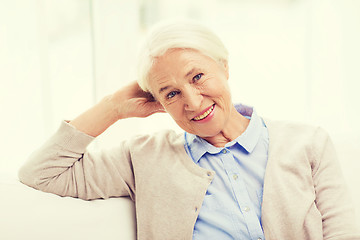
[[30, 214]]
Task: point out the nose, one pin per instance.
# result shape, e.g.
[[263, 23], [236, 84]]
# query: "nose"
[[192, 98]]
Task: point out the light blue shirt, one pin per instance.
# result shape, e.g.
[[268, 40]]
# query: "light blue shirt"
[[232, 205]]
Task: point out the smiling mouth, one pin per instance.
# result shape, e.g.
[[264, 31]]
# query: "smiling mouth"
[[205, 114]]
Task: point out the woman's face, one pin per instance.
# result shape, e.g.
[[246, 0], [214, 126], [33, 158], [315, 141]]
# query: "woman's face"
[[193, 89]]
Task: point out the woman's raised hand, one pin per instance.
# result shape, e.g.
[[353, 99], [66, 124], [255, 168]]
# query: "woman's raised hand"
[[129, 101], [132, 101]]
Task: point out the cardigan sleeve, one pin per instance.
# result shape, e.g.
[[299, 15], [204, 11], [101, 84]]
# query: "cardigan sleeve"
[[332, 196], [64, 166]]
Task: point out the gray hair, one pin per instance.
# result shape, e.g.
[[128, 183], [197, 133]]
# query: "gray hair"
[[173, 35]]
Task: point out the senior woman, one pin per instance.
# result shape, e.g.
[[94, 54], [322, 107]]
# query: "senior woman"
[[230, 175]]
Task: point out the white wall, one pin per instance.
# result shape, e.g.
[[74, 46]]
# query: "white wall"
[[22, 79], [46, 71]]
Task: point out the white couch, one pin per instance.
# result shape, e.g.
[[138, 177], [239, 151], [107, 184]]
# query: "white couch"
[[26, 213]]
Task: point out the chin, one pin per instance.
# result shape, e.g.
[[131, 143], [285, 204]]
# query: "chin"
[[208, 133]]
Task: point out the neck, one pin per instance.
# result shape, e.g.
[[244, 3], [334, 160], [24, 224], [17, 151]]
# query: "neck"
[[235, 126]]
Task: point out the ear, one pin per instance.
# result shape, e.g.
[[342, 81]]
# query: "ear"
[[226, 67], [225, 64]]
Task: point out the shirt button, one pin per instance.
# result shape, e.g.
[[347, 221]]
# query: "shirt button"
[[196, 209], [209, 174], [235, 176], [246, 209], [224, 151]]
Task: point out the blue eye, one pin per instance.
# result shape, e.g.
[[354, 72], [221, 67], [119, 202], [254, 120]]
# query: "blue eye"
[[171, 94], [197, 77]]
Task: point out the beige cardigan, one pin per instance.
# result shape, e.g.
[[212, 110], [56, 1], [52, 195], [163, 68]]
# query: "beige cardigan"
[[305, 196]]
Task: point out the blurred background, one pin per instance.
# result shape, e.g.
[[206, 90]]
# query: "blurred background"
[[295, 60]]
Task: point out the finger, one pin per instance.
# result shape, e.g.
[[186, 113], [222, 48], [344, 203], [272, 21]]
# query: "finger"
[[141, 93]]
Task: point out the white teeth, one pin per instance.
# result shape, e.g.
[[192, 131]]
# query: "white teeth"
[[205, 114]]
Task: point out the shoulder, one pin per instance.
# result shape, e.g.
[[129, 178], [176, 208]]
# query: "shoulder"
[[298, 144], [289, 138], [295, 131]]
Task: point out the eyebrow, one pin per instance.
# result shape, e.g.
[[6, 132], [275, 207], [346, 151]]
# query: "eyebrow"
[[163, 89], [190, 72]]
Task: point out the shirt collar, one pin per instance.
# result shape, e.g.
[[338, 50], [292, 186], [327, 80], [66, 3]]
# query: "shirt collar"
[[197, 146]]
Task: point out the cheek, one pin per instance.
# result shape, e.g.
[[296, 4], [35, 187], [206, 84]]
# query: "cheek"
[[221, 94], [217, 89]]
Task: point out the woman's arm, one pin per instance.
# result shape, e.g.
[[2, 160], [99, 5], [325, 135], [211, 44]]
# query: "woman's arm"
[[64, 166], [332, 195]]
